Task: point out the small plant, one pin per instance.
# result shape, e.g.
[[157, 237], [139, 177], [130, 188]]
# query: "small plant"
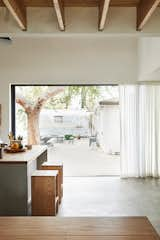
[[68, 137], [20, 138]]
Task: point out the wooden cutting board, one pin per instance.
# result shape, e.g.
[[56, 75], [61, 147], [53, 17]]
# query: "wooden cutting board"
[[10, 150]]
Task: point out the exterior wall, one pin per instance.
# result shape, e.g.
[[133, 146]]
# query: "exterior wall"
[[108, 128], [73, 122]]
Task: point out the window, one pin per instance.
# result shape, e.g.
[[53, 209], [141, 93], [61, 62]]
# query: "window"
[[58, 119]]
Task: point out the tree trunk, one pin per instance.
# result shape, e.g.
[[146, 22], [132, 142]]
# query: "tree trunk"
[[33, 112], [83, 98], [33, 127]]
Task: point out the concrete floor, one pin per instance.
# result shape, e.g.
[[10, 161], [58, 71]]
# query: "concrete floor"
[[111, 196], [81, 160]]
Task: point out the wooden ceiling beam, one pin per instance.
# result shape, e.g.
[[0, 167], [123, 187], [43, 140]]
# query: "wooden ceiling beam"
[[59, 9], [103, 10], [145, 9], [18, 11]]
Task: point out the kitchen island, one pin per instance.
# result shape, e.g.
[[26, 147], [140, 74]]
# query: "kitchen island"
[[15, 180]]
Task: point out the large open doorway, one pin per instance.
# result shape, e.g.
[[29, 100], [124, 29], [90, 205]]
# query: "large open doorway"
[[79, 124]]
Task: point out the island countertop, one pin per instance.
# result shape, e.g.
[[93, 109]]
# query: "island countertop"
[[23, 157]]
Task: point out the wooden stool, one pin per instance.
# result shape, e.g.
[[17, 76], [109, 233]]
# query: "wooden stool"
[[55, 165], [45, 193]]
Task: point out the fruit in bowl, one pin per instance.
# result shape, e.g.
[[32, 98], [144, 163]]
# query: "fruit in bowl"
[[15, 145]]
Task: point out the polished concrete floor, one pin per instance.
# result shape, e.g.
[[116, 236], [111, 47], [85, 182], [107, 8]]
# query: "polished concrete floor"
[[111, 196]]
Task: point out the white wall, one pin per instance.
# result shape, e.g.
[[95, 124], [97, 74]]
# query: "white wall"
[[69, 60], [109, 128], [149, 59], [65, 60]]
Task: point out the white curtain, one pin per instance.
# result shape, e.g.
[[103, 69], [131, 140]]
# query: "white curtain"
[[129, 130], [140, 130]]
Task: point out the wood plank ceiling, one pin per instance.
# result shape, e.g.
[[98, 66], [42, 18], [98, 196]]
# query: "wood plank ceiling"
[[145, 9]]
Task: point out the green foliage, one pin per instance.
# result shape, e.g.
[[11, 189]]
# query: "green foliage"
[[88, 96], [69, 137], [64, 100], [32, 93]]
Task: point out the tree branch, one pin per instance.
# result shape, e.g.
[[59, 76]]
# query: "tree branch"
[[42, 100], [23, 103]]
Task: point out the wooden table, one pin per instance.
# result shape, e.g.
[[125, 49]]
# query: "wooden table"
[[51, 228]]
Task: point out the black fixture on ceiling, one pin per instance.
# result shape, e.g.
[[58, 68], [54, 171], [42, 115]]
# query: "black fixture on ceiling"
[[5, 39]]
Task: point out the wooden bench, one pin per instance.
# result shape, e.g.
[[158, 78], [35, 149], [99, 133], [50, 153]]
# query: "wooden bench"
[[56, 165], [45, 193]]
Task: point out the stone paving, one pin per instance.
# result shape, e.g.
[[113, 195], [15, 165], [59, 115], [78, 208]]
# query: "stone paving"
[[81, 160]]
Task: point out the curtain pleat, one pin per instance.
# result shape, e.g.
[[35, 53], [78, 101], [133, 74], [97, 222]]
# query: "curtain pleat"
[[129, 130], [140, 130]]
